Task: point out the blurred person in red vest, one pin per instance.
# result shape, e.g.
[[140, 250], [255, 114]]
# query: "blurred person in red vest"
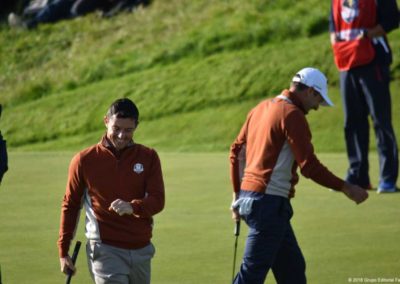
[[362, 54]]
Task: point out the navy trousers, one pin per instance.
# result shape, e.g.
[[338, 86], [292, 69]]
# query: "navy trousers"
[[365, 91], [271, 243]]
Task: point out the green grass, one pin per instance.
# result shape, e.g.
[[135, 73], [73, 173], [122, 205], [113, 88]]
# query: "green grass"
[[194, 68], [194, 234]]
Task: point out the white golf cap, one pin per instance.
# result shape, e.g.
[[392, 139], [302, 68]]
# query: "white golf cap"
[[314, 78]]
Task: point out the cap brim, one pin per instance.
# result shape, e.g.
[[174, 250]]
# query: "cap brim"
[[327, 101]]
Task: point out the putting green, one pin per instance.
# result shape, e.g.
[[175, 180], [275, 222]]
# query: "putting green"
[[194, 234]]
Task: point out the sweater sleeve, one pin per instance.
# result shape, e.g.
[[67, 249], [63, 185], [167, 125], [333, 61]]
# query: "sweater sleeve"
[[237, 157], [299, 138], [71, 206], [154, 200]]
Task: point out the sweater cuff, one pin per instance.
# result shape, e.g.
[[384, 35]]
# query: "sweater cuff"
[[62, 252]]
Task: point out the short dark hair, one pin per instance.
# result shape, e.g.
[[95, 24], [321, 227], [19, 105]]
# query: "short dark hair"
[[299, 86], [124, 108]]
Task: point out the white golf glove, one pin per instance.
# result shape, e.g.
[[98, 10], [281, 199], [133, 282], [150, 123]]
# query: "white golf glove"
[[243, 205]]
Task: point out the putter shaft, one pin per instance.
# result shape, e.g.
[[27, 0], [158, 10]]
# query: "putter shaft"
[[73, 258], [236, 233]]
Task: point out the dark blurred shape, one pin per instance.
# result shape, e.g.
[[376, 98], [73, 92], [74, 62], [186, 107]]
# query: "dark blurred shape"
[[3, 154]]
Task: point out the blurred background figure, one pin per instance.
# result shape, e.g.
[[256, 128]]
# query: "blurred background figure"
[[362, 54], [3, 154], [50, 11]]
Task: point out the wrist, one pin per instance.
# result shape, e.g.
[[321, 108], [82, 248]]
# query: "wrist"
[[345, 187]]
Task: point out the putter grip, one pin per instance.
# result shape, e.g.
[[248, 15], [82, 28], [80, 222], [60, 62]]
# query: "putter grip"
[[73, 258], [237, 228]]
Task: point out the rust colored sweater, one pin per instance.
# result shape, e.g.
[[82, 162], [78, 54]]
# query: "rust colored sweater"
[[97, 177], [274, 141]]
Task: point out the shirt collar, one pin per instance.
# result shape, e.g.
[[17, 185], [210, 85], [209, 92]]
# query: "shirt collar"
[[107, 143], [295, 100]]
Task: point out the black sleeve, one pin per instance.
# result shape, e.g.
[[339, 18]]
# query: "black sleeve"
[[331, 22], [3, 157], [388, 14]]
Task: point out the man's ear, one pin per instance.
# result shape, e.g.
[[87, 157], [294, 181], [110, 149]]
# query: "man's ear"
[[105, 119], [310, 91]]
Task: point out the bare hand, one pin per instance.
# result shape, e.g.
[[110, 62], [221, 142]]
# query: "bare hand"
[[355, 193], [121, 207], [66, 265], [235, 215]]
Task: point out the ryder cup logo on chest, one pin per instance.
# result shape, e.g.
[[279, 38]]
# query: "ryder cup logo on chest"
[[350, 10], [138, 168]]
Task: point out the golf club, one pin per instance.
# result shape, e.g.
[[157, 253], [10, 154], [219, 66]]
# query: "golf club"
[[73, 258], [236, 233]]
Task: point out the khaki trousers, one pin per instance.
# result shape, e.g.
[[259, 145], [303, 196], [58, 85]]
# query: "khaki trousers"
[[112, 265]]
